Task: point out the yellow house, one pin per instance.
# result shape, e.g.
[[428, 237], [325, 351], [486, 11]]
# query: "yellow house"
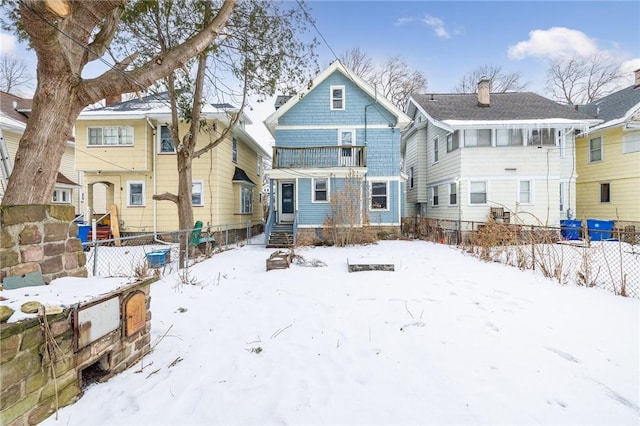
[[14, 113], [126, 148], [608, 158]]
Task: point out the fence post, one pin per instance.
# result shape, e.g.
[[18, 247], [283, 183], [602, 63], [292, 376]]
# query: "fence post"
[[95, 246], [533, 250]]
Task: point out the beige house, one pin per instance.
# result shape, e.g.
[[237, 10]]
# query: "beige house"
[[126, 148], [608, 158], [14, 113]]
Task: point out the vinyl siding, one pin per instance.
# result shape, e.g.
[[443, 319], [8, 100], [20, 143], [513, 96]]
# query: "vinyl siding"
[[621, 171]]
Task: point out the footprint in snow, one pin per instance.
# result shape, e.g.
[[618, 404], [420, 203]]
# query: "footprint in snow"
[[564, 355], [412, 324]]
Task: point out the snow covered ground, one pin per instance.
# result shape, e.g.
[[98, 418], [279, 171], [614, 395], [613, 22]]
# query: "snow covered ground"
[[444, 339]]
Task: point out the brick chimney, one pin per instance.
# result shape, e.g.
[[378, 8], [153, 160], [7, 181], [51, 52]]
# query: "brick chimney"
[[113, 99], [484, 86], [637, 84]]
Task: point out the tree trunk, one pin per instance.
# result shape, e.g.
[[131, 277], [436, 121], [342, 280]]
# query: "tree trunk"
[[185, 209]]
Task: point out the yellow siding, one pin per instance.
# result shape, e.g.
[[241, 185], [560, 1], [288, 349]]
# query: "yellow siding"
[[114, 158], [621, 171]]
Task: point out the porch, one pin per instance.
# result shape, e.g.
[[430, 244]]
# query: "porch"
[[319, 157]]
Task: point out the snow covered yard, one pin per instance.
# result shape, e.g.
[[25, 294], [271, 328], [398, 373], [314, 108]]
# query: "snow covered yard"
[[445, 339]]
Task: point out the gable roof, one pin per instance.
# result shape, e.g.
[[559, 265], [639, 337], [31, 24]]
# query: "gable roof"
[[15, 115], [272, 120], [616, 107]]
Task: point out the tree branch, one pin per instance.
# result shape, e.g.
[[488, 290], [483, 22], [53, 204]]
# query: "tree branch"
[[166, 197]]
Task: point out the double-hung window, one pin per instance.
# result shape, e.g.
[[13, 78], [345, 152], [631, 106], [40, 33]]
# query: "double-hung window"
[[595, 149], [337, 97], [477, 137], [166, 140], [379, 195], [434, 196], [196, 193], [61, 196], [320, 190], [453, 141], [436, 142], [524, 192], [542, 137], [110, 136], [453, 194], [246, 200], [234, 150], [135, 193], [605, 193], [631, 142], [509, 137], [478, 192]]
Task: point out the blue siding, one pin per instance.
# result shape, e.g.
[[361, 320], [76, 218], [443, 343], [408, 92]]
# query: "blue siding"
[[390, 216], [309, 213], [314, 108]]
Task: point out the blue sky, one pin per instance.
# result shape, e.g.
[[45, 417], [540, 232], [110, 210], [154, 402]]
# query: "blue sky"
[[446, 39]]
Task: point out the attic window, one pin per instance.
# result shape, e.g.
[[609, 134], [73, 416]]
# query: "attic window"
[[337, 97]]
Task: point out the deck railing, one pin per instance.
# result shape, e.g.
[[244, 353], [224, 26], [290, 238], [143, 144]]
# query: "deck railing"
[[318, 156]]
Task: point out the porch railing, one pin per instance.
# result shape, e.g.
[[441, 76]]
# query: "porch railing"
[[319, 156]]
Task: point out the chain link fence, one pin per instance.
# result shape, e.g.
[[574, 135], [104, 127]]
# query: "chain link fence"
[[160, 253], [582, 253]]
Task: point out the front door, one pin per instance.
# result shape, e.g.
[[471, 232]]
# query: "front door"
[[287, 201]]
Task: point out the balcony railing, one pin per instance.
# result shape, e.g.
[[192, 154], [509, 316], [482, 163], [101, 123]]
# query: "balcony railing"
[[319, 156]]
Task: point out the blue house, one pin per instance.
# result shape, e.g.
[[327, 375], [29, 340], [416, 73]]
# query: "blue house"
[[336, 160]]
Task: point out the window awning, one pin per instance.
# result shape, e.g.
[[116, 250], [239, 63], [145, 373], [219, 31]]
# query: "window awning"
[[64, 182], [240, 176]]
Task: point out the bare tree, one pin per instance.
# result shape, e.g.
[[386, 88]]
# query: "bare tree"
[[501, 81], [66, 36], [582, 80], [394, 79], [14, 75]]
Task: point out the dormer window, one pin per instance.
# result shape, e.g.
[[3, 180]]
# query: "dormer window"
[[337, 97]]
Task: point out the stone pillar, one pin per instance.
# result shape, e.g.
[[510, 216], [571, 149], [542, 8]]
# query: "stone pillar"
[[40, 238]]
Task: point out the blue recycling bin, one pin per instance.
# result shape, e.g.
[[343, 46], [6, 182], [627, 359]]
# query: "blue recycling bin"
[[570, 229], [600, 229], [157, 258], [83, 233]]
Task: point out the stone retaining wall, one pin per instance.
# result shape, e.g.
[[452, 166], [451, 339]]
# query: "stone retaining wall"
[[27, 387], [40, 238]]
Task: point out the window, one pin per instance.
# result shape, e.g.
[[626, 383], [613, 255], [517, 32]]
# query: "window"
[[509, 137], [115, 136], [410, 177], [453, 194], [453, 141], [478, 193], [347, 139], [542, 137], [435, 149], [479, 137], [234, 150], [135, 193], [166, 141], [595, 149], [320, 190], [196, 193], [562, 190], [61, 196], [631, 142], [605, 193], [524, 192], [246, 200], [434, 196], [379, 191], [337, 97]]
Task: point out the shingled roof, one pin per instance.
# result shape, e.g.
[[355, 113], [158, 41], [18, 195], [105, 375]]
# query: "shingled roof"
[[503, 106], [613, 106]]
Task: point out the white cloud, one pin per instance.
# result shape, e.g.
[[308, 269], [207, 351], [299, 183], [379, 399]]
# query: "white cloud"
[[627, 69], [554, 43], [404, 20], [7, 44], [438, 26]]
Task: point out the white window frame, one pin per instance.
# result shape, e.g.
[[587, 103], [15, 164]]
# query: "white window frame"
[[234, 149], [386, 195], [435, 196], [161, 139], [631, 142], [455, 187], [136, 182], [411, 177], [128, 136], [346, 151], [333, 99], [314, 190], [529, 192], [193, 192], [243, 190], [453, 141], [486, 192], [61, 196], [510, 137], [591, 150], [436, 154], [473, 142], [536, 137]]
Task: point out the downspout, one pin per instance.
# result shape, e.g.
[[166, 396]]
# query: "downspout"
[[154, 144]]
